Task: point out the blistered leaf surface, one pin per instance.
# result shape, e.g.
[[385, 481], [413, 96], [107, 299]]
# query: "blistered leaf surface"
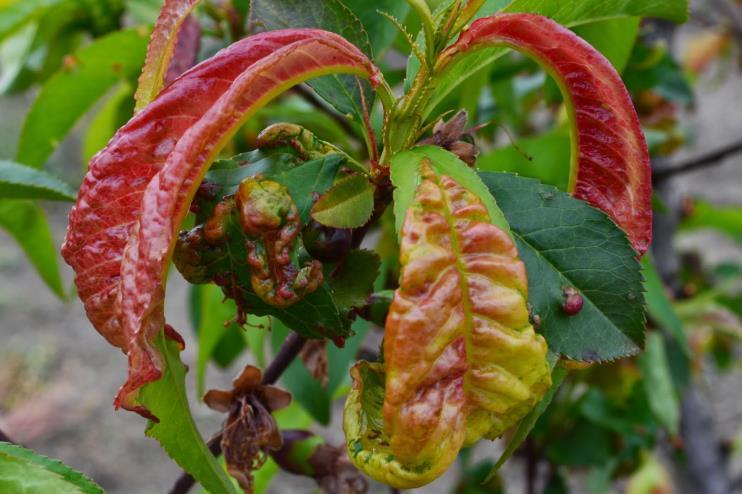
[[610, 160], [461, 360], [139, 187]]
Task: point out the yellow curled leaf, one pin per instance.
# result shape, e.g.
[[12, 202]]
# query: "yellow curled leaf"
[[461, 360]]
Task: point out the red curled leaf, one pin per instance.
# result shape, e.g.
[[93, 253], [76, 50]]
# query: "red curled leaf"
[[186, 49], [162, 47], [610, 162], [138, 188]]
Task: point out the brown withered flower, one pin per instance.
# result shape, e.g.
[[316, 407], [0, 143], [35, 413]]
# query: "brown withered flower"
[[250, 430], [455, 137]]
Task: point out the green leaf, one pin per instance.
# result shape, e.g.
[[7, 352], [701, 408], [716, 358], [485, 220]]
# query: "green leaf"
[[659, 305], [24, 471], [341, 91], [565, 242], [406, 178], [353, 280], [658, 384], [23, 182], [549, 153], [381, 32], [112, 115], [26, 222], [306, 390], [14, 54], [18, 13], [348, 204], [572, 13], [526, 425], [653, 68], [72, 91], [176, 431], [726, 219]]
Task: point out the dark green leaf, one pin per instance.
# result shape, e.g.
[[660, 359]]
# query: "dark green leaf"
[[341, 91], [658, 383], [26, 222], [348, 204], [90, 73], [353, 280], [306, 390], [24, 471], [23, 182], [586, 445], [176, 431], [659, 305], [654, 69], [381, 32], [565, 242]]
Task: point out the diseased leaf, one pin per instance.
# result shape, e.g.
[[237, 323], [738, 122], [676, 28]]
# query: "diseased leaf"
[[176, 431], [529, 421], [341, 91], [658, 384], [610, 162], [26, 222], [461, 360], [22, 470], [161, 49], [406, 178], [348, 204], [72, 91], [352, 281], [137, 191], [567, 244], [571, 13], [23, 182]]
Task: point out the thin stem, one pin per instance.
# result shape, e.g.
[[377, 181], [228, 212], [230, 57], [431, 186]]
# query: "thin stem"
[[709, 159], [286, 354], [426, 17]]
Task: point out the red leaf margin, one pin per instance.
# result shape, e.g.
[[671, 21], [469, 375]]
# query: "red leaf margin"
[[137, 190], [161, 49], [610, 162]]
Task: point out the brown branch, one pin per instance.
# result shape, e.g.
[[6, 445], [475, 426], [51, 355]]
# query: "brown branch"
[[710, 159], [286, 354]]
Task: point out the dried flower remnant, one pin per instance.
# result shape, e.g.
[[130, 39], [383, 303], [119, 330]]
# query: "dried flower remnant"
[[314, 356], [250, 430], [455, 137]]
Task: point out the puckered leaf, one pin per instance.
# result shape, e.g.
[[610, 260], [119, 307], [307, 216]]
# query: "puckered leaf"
[[610, 162], [138, 189], [461, 360], [161, 49], [568, 245], [22, 470]]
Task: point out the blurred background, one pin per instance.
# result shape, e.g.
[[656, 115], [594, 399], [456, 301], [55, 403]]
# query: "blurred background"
[[58, 376]]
